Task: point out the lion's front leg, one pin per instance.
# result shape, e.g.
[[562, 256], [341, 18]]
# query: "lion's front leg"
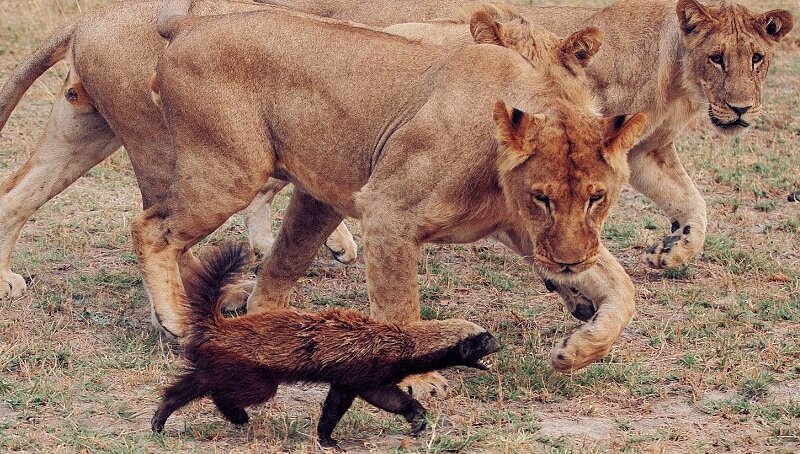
[[659, 175], [607, 292], [391, 253]]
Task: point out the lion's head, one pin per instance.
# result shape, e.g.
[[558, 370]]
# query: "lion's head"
[[561, 170], [563, 61], [728, 52]]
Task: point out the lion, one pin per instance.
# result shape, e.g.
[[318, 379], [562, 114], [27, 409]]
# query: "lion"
[[471, 141], [89, 44], [95, 114], [670, 60], [91, 116]]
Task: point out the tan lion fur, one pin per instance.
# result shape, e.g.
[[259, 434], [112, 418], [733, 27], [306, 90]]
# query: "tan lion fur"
[[427, 157], [649, 63], [104, 104]]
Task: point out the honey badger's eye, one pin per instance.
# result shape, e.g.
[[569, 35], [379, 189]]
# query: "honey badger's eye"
[[716, 59], [757, 58]]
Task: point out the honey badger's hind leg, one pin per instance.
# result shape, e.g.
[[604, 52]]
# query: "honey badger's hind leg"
[[337, 402], [188, 388], [75, 139], [231, 410], [394, 400], [233, 389]]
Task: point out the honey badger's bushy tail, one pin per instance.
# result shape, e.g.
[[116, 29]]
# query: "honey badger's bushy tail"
[[205, 285], [172, 14]]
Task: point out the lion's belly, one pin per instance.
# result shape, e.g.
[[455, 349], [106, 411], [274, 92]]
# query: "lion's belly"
[[327, 181]]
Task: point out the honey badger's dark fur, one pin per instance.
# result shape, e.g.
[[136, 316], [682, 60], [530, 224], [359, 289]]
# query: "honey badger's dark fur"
[[241, 361]]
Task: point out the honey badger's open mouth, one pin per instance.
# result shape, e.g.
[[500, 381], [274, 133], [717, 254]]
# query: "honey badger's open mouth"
[[482, 364], [480, 347]]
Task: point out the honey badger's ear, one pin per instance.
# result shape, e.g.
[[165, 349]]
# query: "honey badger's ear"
[[581, 46], [775, 24], [515, 129], [622, 133], [691, 15]]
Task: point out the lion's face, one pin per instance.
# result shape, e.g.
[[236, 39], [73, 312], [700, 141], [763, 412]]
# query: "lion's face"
[[561, 172], [728, 56]]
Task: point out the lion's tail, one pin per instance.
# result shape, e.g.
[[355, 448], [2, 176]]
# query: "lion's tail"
[[173, 12], [205, 286], [33, 65]]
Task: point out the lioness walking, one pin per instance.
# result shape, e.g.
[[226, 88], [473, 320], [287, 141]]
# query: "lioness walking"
[[414, 140]]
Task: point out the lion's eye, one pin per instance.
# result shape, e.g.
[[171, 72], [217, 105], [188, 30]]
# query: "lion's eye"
[[757, 58], [543, 199], [717, 59], [596, 198]]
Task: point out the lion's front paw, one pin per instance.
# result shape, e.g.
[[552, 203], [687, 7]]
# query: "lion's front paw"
[[571, 354], [578, 304], [676, 249], [342, 244], [12, 284], [430, 384]]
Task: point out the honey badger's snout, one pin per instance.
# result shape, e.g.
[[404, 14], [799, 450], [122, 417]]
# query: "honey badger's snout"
[[473, 350]]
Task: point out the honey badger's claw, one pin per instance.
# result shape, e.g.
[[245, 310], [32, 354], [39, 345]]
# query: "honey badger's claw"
[[329, 443]]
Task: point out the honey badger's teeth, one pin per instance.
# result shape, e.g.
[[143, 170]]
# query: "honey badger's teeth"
[[485, 365]]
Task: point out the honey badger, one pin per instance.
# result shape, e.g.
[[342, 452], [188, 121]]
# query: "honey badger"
[[241, 361]]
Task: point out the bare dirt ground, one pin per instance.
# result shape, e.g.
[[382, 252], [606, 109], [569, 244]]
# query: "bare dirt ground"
[[711, 362]]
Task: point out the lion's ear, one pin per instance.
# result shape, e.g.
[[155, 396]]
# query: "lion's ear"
[[515, 129], [582, 45], [775, 24], [622, 133], [692, 14], [485, 29], [513, 32]]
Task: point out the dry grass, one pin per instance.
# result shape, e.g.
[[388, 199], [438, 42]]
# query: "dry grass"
[[710, 363]]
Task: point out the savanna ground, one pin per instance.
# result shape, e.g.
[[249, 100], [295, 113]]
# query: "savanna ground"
[[710, 363]]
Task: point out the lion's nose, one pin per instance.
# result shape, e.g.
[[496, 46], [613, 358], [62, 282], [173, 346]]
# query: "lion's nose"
[[740, 110]]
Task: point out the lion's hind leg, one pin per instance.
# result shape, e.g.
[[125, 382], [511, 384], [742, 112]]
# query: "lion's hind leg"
[[75, 139], [209, 186]]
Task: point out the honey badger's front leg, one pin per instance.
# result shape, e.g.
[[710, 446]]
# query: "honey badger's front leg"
[[610, 293], [389, 398]]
